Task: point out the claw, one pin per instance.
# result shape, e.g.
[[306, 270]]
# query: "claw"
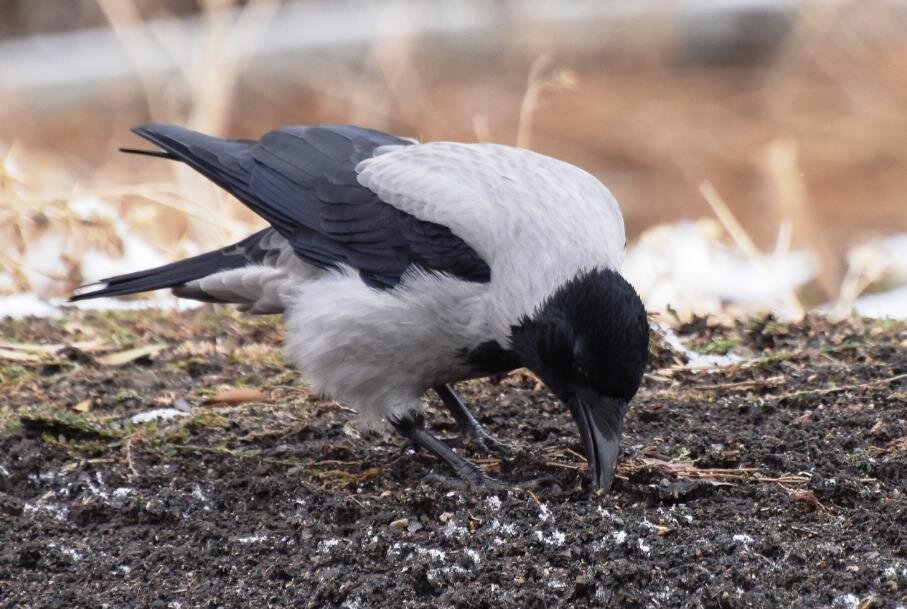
[[489, 444]]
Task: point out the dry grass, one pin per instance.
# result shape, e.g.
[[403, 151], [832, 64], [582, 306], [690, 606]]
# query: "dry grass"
[[808, 150]]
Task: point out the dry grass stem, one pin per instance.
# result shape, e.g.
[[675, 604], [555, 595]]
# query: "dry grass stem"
[[745, 242]]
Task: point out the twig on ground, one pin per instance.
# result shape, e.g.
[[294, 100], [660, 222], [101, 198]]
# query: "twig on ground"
[[829, 390], [745, 242], [129, 460], [748, 384]]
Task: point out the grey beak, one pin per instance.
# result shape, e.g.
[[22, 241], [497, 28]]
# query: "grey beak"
[[601, 442]]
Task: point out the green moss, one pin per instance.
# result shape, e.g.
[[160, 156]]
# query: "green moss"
[[186, 364], [14, 374], [206, 419], [58, 422], [719, 346]]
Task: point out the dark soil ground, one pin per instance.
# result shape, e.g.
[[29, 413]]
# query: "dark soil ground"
[[778, 481]]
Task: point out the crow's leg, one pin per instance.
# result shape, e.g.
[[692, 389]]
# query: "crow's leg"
[[412, 427], [467, 423]]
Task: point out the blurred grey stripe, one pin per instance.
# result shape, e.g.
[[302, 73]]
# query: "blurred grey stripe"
[[89, 56]]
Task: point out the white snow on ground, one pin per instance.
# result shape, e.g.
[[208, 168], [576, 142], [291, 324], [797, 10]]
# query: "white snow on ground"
[[158, 414], [326, 545], [452, 530], [848, 601], [70, 553], [17, 306], [23, 305], [892, 304], [688, 267], [493, 502], [696, 360], [556, 538], [57, 510]]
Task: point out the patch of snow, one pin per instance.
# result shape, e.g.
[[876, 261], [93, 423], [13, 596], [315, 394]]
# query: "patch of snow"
[[696, 360], [124, 569], [43, 260], [352, 603], [7, 283], [884, 260], [743, 538], [158, 300], [474, 557], [688, 266], [555, 584], [17, 306], [619, 537], [544, 514], [252, 539], [58, 511], [848, 601], [97, 489], [556, 538], [642, 545], [158, 414], [122, 491], [891, 304], [197, 493], [493, 502], [452, 530], [4, 471], [434, 553], [71, 553], [326, 545], [91, 208]]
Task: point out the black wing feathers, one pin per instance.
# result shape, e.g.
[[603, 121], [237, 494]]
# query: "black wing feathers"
[[251, 250], [302, 180]]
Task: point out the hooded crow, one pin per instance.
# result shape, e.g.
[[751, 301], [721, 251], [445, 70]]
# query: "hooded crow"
[[402, 267]]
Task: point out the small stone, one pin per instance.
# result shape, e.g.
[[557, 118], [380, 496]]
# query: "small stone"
[[400, 524]]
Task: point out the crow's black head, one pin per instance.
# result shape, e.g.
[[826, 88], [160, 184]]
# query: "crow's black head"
[[589, 343]]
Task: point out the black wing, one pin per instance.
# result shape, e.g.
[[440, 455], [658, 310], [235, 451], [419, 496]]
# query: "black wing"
[[302, 180], [259, 248]]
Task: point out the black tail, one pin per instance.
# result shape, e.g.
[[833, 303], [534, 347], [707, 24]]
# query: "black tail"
[[246, 252], [155, 153]]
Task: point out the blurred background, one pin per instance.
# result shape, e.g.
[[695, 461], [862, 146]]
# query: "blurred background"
[[758, 147]]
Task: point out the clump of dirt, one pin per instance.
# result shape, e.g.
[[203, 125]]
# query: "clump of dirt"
[[776, 481]]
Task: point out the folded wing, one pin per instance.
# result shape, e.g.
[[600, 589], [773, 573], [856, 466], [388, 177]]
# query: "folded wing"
[[303, 181]]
